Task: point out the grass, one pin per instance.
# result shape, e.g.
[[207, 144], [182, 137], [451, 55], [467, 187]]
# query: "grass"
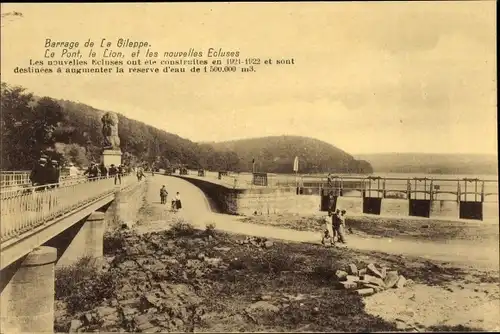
[[391, 227], [82, 286]]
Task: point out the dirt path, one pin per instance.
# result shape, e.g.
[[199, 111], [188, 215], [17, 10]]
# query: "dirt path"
[[196, 210]]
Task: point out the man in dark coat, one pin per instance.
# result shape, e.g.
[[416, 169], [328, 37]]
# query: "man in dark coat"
[[39, 175]]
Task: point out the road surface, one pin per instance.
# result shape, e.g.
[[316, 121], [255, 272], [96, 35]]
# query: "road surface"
[[196, 210]]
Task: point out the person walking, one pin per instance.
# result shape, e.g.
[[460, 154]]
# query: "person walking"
[[178, 203], [163, 195]]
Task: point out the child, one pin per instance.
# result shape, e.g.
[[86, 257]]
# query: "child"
[[327, 230]]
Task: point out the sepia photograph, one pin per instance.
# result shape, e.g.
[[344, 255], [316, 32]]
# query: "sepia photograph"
[[249, 167]]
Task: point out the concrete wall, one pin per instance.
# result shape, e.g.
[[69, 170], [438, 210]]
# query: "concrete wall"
[[256, 200], [268, 200], [126, 206]]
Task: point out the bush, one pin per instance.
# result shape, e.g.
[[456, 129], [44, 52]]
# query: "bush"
[[82, 286], [113, 243], [182, 228], [210, 229]]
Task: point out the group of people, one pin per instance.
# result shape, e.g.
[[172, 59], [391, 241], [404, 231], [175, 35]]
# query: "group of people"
[[176, 204], [100, 170], [45, 173], [335, 230]]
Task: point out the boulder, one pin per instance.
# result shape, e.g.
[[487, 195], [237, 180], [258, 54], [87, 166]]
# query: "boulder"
[[373, 280], [341, 275], [75, 325], [352, 278], [391, 279], [362, 272], [353, 270], [376, 288], [401, 282], [383, 272], [365, 292], [348, 285], [262, 305], [372, 269], [268, 244]]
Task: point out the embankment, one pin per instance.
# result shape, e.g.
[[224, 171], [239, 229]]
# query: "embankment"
[[265, 200]]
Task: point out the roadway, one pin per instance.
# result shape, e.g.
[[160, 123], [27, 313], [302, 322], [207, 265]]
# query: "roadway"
[[196, 209]]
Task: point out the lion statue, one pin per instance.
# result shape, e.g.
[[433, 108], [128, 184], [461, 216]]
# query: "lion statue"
[[110, 131]]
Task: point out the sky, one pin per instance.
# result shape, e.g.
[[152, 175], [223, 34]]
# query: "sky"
[[367, 77]]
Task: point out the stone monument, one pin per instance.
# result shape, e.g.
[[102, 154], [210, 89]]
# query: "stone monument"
[[112, 153]]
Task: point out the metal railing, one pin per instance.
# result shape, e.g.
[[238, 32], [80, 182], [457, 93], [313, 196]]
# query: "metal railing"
[[25, 209], [21, 179], [14, 178], [443, 189]]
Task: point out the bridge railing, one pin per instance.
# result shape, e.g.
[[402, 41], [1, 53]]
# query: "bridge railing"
[[25, 209], [14, 178]]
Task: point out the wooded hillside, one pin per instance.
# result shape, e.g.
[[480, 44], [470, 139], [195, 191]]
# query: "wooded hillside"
[[276, 154], [70, 131]]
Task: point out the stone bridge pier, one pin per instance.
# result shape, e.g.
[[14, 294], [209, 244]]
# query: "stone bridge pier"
[[27, 285]]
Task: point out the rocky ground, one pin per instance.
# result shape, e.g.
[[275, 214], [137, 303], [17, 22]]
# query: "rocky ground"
[[184, 279]]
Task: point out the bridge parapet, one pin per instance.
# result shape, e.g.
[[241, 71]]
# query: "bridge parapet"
[[25, 209]]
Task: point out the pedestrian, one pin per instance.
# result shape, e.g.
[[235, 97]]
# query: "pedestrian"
[[73, 171], [54, 173], [38, 175], [119, 174], [327, 229], [103, 170], [163, 195], [339, 226], [178, 204]]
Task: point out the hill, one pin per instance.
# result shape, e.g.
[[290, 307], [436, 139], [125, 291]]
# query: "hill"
[[458, 164], [275, 154], [70, 131]]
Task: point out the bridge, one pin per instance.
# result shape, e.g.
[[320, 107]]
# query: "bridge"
[[57, 224], [48, 225]]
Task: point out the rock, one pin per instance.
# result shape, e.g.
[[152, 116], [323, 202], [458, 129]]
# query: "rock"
[[104, 311], [178, 322], [365, 292], [141, 319], [376, 288], [213, 260], [383, 272], [352, 278], [268, 244], [87, 318], [262, 305], [362, 272], [198, 273], [371, 268], [75, 325], [353, 270], [391, 279], [222, 249], [341, 275], [373, 280], [410, 282], [145, 327], [201, 256], [265, 297], [401, 282], [348, 285], [127, 311]]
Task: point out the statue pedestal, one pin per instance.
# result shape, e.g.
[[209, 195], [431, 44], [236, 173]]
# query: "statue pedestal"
[[111, 157]]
